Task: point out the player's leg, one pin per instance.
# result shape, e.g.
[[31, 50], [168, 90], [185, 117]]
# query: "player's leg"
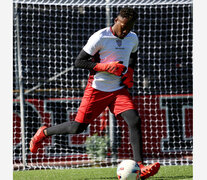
[[129, 113], [134, 124], [92, 105], [131, 116], [72, 127]]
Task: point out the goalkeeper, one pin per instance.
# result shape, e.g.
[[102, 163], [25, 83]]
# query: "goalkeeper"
[[110, 54]]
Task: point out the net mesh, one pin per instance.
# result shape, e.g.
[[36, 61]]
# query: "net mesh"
[[50, 34]]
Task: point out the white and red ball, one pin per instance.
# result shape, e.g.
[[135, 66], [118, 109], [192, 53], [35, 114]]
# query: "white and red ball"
[[128, 170]]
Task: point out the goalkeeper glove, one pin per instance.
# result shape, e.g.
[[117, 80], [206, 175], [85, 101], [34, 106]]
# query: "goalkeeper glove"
[[127, 79], [115, 68]]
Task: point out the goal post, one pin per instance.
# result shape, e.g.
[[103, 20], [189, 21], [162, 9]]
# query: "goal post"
[[50, 34]]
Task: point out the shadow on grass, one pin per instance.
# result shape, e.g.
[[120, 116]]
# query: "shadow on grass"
[[112, 178], [155, 178], [172, 178]]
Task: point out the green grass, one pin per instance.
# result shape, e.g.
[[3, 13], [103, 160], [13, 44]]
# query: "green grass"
[[165, 173]]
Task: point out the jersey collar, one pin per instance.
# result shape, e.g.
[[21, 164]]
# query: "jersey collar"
[[112, 31]]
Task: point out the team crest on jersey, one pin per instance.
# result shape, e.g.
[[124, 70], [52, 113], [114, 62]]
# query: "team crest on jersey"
[[119, 42]]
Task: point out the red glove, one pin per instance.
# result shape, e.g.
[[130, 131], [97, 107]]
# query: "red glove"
[[113, 67], [127, 79]]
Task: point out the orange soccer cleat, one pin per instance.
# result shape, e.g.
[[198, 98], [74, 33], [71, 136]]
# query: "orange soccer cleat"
[[37, 139], [150, 170]]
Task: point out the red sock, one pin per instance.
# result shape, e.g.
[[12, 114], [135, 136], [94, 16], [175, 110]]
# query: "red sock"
[[44, 132], [140, 164]]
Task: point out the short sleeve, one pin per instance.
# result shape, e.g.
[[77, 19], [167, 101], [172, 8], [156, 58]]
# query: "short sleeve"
[[93, 45], [135, 47]]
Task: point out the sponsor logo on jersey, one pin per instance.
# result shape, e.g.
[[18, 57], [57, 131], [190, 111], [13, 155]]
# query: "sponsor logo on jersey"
[[119, 42]]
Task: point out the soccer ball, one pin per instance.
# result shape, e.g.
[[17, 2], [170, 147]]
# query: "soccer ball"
[[128, 170]]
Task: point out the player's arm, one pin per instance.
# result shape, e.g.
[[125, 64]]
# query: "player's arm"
[[127, 79], [133, 60], [83, 61]]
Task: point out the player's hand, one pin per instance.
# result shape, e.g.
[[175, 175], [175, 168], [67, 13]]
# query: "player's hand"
[[115, 68], [127, 79]]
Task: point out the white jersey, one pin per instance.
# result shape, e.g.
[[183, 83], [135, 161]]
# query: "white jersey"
[[110, 49]]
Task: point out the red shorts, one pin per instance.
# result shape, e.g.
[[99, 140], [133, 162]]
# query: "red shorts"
[[94, 103]]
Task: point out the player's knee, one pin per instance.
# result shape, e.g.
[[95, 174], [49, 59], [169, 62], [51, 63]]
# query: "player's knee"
[[132, 118], [77, 128], [82, 128], [135, 122]]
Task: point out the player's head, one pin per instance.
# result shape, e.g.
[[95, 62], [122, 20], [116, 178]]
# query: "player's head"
[[124, 22]]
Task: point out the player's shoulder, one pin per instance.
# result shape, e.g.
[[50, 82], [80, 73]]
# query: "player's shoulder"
[[133, 34], [102, 32], [97, 36]]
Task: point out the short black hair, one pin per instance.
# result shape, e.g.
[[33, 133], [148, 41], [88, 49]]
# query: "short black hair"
[[128, 13]]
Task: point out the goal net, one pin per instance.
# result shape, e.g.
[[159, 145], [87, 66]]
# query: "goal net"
[[47, 89]]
